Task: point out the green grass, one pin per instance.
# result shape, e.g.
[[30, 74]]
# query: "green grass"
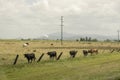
[[97, 67], [104, 66]]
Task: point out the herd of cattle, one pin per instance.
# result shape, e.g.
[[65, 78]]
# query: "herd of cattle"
[[53, 54]]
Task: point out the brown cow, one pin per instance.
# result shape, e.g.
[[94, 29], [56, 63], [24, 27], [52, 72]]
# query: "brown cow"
[[93, 51]]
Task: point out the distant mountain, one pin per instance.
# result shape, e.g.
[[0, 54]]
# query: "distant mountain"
[[70, 36]]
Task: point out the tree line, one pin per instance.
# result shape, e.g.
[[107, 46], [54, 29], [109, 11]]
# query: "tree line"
[[87, 39]]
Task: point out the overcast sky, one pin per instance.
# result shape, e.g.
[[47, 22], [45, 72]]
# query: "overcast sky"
[[35, 18]]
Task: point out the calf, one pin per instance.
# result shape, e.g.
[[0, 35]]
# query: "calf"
[[30, 57], [52, 54], [73, 53]]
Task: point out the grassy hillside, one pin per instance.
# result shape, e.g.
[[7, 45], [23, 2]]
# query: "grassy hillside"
[[104, 66]]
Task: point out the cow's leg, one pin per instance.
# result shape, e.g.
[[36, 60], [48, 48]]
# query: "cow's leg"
[[55, 56], [86, 54], [91, 53], [28, 60], [96, 52], [31, 60], [50, 57], [74, 55], [34, 59], [71, 56]]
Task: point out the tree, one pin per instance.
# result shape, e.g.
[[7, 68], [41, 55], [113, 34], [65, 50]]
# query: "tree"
[[89, 39], [86, 38], [95, 40]]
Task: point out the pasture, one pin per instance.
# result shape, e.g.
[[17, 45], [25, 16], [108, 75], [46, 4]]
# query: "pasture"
[[104, 66]]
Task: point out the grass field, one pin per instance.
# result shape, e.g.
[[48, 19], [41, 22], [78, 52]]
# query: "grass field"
[[104, 66]]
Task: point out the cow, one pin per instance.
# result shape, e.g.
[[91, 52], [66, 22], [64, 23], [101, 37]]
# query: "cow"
[[85, 52], [52, 54], [25, 44], [73, 53], [34, 50], [30, 57], [93, 51], [51, 44]]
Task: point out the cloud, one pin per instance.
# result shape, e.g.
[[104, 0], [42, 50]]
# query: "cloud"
[[43, 16]]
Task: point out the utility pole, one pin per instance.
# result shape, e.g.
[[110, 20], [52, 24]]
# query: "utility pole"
[[62, 30], [118, 35]]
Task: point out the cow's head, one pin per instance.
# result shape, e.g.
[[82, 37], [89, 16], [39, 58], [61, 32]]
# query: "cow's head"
[[25, 55]]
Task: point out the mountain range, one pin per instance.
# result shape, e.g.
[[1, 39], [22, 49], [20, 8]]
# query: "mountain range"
[[71, 36]]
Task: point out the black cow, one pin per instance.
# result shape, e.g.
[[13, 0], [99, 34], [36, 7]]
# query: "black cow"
[[30, 57], [73, 53], [52, 54], [85, 52]]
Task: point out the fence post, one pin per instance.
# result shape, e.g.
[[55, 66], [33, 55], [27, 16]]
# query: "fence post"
[[112, 51], [59, 56], [15, 61], [40, 57]]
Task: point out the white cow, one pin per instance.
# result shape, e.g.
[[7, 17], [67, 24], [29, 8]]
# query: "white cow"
[[25, 44]]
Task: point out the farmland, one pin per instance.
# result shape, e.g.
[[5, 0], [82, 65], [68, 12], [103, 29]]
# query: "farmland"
[[104, 66]]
